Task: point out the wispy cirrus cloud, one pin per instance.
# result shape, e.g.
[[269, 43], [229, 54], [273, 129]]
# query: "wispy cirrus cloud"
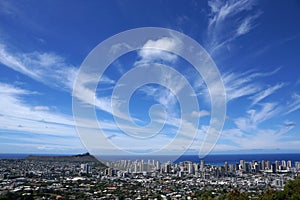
[[225, 23], [221, 10], [249, 135], [245, 84], [294, 104], [256, 117], [268, 110], [36, 127], [246, 25], [240, 84], [54, 71], [45, 67], [19, 116], [265, 93], [263, 139]]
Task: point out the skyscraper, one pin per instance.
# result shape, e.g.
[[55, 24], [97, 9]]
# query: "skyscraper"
[[289, 164], [268, 165], [85, 168], [263, 165], [283, 164], [202, 165], [242, 165], [191, 168], [226, 166]]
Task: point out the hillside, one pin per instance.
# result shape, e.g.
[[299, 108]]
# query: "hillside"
[[74, 158]]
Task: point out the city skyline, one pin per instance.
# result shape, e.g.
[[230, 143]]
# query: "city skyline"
[[254, 45], [83, 176]]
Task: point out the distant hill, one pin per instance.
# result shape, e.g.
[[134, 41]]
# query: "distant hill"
[[86, 157]]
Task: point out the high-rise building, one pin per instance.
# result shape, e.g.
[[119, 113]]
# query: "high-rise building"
[[191, 168], [226, 166], [242, 165], [153, 163], [196, 167], [167, 167], [85, 168], [256, 168], [142, 166], [283, 164], [263, 165], [217, 173], [277, 164], [109, 171], [268, 165], [158, 165], [247, 166], [231, 168], [202, 165], [289, 164], [237, 166], [135, 167], [297, 165], [274, 167]]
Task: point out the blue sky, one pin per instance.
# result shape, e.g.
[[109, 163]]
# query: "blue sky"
[[254, 44]]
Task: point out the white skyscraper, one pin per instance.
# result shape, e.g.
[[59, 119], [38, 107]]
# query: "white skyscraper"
[[202, 165], [283, 163]]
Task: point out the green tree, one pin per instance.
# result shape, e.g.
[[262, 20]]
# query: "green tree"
[[236, 195]]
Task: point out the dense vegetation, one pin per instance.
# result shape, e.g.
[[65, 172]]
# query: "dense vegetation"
[[291, 192]]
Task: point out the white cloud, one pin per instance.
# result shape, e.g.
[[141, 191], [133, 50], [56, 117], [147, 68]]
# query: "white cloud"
[[239, 85], [160, 49], [257, 139], [201, 113], [245, 26], [48, 68], [256, 117], [222, 25], [236, 85], [87, 96], [14, 63], [244, 124], [166, 43], [220, 10], [19, 116], [268, 111], [52, 70], [41, 108], [7, 89], [294, 105], [265, 93], [118, 47]]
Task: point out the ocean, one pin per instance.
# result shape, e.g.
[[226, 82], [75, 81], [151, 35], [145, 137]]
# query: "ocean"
[[212, 159], [234, 158], [215, 159]]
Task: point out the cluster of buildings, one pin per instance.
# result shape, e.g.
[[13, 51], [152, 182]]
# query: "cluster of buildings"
[[123, 167], [141, 179]]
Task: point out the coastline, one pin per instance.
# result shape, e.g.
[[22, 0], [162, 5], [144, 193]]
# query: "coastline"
[[213, 159]]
